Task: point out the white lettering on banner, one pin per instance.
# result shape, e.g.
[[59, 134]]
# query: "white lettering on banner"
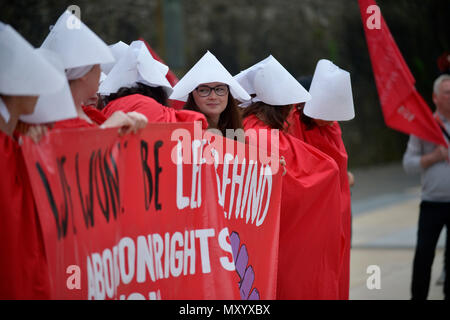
[[225, 180], [215, 140], [153, 257], [197, 154], [203, 235], [176, 259], [99, 283], [108, 266], [158, 250], [144, 259], [238, 179], [152, 295], [196, 186], [189, 253], [182, 201], [227, 264], [253, 191], [129, 259]]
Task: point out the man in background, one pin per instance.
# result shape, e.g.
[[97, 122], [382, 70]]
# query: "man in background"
[[432, 161]]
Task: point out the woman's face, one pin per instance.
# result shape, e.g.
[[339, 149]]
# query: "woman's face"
[[211, 99], [92, 79]]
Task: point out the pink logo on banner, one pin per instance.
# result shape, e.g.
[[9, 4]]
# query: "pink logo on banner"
[[245, 271]]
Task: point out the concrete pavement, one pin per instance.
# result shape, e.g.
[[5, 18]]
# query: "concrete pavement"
[[385, 204]]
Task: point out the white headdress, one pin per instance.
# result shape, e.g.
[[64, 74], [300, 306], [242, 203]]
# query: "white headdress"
[[207, 69]]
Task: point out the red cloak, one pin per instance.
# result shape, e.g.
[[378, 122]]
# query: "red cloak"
[[328, 139], [154, 111], [310, 222], [23, 263]]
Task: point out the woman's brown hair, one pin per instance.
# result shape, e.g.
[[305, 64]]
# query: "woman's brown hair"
[[273, 116], [308, 121], [230, 118], [156, 93]]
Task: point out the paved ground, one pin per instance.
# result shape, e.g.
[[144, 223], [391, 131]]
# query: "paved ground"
[[385, 204]]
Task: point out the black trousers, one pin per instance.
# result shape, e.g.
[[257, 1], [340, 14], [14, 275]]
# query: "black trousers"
[[433, 217]]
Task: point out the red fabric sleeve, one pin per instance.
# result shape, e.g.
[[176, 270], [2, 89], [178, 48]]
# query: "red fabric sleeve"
[[154, 111], [310, 248], [94, 114], [23, 263]]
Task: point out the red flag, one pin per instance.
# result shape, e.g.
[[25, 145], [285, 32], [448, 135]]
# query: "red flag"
[[403, 107], [171, 77]]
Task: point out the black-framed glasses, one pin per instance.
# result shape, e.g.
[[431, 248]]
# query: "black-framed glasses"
[[204, 91]]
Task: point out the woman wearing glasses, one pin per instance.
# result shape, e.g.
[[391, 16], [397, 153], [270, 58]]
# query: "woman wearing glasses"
[[212, 99], [210, 89]]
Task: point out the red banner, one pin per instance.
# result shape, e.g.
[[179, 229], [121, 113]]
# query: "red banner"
[[403, 107], [169, 213]]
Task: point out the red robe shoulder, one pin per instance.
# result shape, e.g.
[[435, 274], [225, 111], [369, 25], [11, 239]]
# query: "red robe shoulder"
[[154, 111], [94, 114]]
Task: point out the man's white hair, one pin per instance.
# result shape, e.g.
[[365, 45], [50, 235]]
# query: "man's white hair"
[[438, 81]]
